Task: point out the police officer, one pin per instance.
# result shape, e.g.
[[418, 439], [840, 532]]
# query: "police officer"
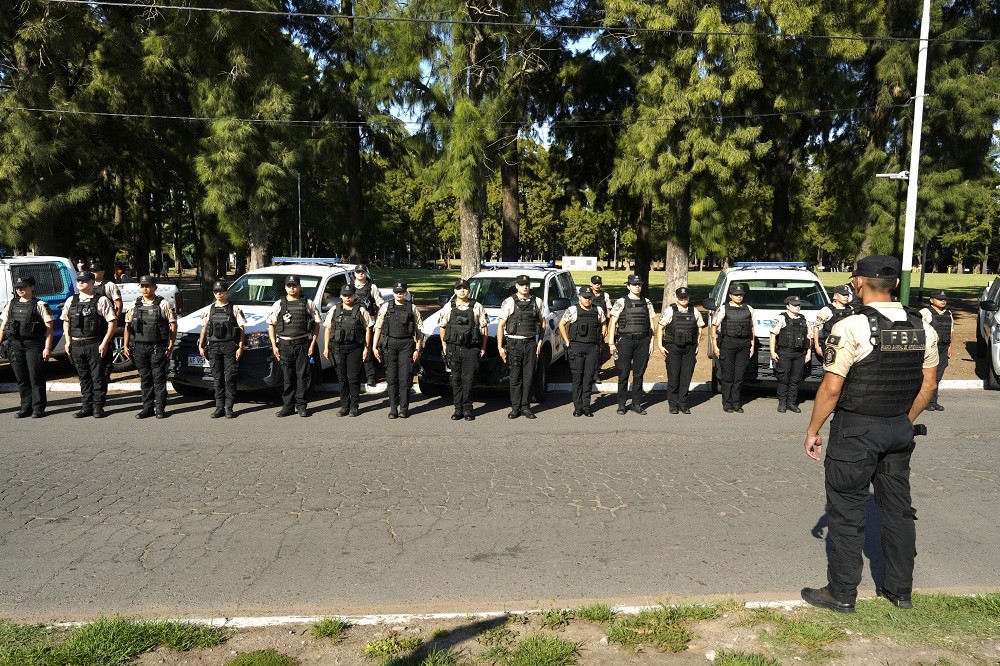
[[733, 344], [631, 328], [791, 349], [943, 322], [397, 343], [347, 338], [830, 315], [603, 303], [27, 324], [370, 298], [293, 327], [224, 327], [89, 322], [880, 374], [106, 288], [583, 327], [150, 329], [521, 324], [463, 331], [678, 336]]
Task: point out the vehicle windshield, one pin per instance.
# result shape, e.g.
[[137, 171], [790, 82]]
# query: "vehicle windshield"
[[770, 294], [491, 291], [265, 288]]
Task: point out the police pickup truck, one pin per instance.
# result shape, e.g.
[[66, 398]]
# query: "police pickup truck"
[[55, 282], [255, 292], [491, 287], [767, 284], [988, 333]]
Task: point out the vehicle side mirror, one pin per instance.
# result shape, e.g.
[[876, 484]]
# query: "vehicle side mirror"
[[989, 306], [560, 303], [709, 304], [443, 299]]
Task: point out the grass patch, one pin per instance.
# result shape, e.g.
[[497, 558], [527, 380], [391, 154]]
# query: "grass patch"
[[662, 627], [432, 658], [388, 648], [599, 613], [544, 651], [800, 632], [555, 618], [331, 628], [502, 637], [106, 642], [24, 636], [737, 658], [267, 657]]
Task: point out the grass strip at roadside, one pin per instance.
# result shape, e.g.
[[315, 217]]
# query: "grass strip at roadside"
[[105, 642], [267, 657], [331, 628], [664, 627]]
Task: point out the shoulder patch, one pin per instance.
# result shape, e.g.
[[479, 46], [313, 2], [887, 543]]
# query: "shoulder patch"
[[830, 356], [833, 340]]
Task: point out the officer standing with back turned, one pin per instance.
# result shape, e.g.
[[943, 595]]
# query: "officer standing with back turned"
[[150, 329], [223, 326], [463, 331], [397, 344], [880, 375], [678, 337]]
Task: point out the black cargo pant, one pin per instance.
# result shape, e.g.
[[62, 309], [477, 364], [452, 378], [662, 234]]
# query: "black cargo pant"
[[295, 372], [680, 364], [734, 354], [90, 368], [521, 358], [633, 356], [151, 362], [582, 358], [26, 360], [348, 358], [464, 363], [225, 368], [788, 370], [942, 366], [865, 451], [398, 355]]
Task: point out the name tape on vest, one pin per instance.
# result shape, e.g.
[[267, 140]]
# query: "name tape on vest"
[[904, 341]]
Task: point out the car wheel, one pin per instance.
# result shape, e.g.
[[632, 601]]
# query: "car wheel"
[[992, 382], [189, 391], [980, 341], [428, 389], [540, 383], [119, 363]]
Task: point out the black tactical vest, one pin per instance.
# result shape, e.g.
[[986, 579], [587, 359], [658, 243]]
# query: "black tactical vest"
[[148, 322], [348, 325], [634, 318], [682, 329], [101, 290], [941, 323], [24, 322], [587, 327], [363, 296], [399, 321], [601, 303], [222, 326], [524, 320], [838, 314], [85, 320], [794, 334], [293, 318], [463, 327], [887, 381], [737, 323]]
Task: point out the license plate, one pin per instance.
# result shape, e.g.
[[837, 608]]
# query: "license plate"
[[197, 361]]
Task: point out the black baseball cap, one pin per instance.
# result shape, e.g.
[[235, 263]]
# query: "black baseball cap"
[[878, 266], [348, 290], [635, 279], [25, 282], [399, 288], [523, 279], [292, 279], [586, 292], [97, 266], [462, 284], [220, 286], [793, 300], [737, 289], [682, 292], [843, 290], [939, 295], [85, 276], [360, 268], [596, 279], [147, 281]]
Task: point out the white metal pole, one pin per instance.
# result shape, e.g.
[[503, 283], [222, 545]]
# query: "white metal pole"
[[298, 178], [918, 124]]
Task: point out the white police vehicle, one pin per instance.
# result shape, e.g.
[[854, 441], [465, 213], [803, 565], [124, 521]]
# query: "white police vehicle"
[[55, 283], [767, 283], [988, 333], [491, 287], [255, 292]]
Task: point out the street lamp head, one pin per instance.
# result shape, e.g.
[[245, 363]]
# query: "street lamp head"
[[902, 175]]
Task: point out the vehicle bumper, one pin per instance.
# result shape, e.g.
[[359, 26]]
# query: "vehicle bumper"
[[258, 369]]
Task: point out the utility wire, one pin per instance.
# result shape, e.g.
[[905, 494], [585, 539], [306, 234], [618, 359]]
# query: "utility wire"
[[449, 123], [518, 25]]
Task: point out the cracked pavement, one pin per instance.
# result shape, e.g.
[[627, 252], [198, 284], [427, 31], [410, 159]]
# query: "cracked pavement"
[[191, 516]]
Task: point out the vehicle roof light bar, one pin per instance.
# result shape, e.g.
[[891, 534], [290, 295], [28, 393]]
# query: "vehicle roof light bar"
[[316, 261], [494, 265], [771, 264]]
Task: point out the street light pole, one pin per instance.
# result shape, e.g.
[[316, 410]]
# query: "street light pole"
[[298, 178], [899, 178]]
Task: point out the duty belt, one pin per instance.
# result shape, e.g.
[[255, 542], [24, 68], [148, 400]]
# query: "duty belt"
[[633, 336], [95, 339], [518, 339], [298, 337]]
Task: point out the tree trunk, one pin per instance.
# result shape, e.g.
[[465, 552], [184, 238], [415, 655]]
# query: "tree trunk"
[[509, 173], [643, 248], [470, 215], [355, 201], [257, 241], [780, 211], [677, 258], [140, 239]]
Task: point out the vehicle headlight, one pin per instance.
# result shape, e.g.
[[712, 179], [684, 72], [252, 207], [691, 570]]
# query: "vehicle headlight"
[[996, 335], [258, 340]]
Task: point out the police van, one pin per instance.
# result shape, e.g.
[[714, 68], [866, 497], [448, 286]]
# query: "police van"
[[55, 283], [491, 287], [988, 333], [767, 283], [256, 292]]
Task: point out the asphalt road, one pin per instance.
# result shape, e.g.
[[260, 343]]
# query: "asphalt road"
[[190, 516]]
